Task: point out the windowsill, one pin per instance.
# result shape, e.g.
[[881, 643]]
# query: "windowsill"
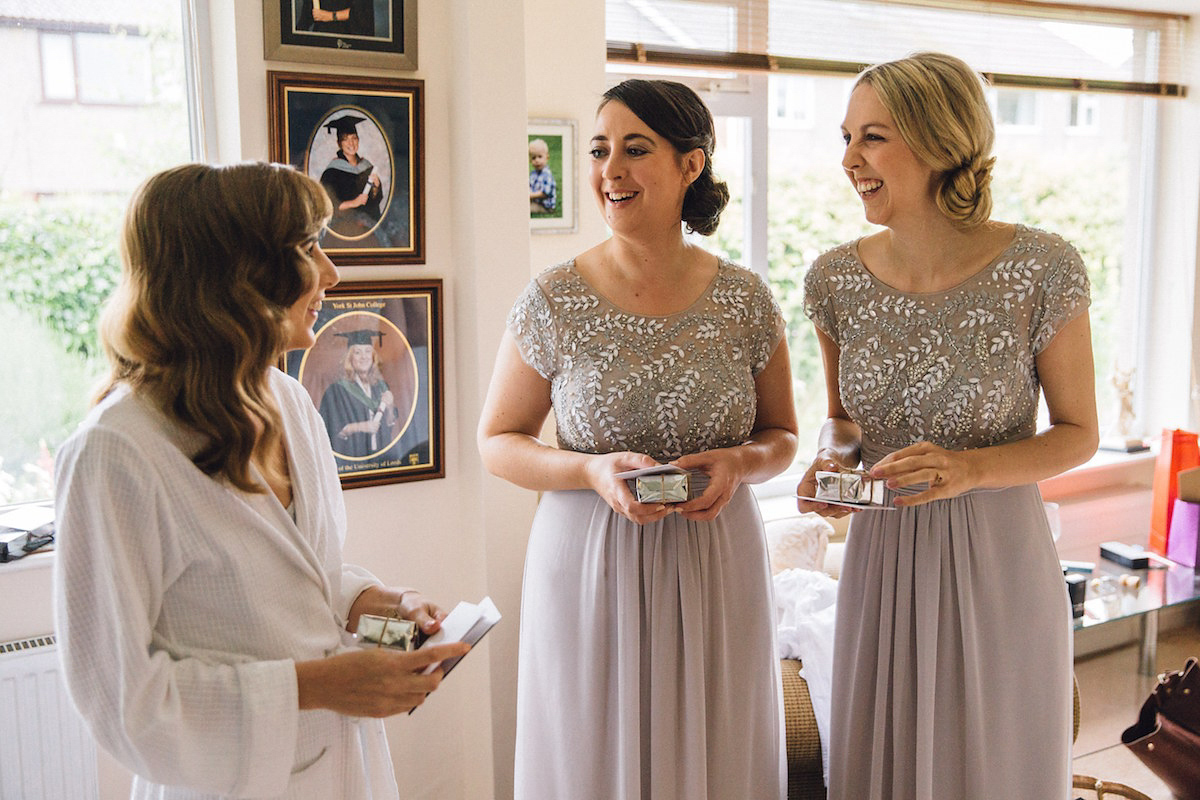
[[1105, 471], [42, 558], [33, 561]]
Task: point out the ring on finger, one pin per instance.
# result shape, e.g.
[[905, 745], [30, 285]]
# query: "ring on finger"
[[937, 479]]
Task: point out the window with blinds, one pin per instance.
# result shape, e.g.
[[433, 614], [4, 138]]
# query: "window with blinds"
[[1020, 44]]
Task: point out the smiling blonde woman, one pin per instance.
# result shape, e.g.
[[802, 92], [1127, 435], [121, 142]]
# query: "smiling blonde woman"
[[952, 656]]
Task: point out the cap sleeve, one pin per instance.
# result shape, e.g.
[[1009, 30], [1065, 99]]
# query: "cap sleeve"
[[770, 328], [818, 301], [1066, 293], [531, 322]]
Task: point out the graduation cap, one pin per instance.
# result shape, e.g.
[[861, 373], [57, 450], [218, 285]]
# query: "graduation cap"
[[344, 124], [362, 336]]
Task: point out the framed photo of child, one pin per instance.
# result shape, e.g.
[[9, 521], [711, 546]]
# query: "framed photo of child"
[[375, 376], [353, 33], [362, 138], [553, 176]]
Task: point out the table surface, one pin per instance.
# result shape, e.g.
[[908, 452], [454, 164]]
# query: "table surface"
[[1159, 586]]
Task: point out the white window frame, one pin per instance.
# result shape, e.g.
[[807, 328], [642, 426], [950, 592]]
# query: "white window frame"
[[78, 94], [799, 101], [1033, 97], [1084, 105], [43, 36]]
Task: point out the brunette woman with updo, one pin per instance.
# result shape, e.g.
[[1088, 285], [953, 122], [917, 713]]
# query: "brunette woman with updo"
[[647, 657], [952, 652], [202, 605]]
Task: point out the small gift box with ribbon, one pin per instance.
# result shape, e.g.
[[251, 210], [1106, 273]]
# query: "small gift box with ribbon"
[[849, 487], [393, 632], [669, 487], [664, 483]]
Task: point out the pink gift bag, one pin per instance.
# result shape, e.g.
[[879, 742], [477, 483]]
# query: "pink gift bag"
[[1185, 526], [1179, 451]]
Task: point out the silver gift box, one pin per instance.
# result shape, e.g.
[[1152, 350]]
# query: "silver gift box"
[[398, 634], [849, 487], [669, 487]]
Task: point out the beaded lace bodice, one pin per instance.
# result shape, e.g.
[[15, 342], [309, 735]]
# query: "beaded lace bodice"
[[664, 386], [957, 367]]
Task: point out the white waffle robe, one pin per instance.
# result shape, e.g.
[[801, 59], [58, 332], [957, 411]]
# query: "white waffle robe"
[[182, 604]]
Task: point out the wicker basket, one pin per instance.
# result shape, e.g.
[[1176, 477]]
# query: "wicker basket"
[[1105, 789]]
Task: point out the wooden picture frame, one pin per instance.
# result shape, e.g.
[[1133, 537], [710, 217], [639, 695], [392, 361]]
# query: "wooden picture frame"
[[560, 138], [361, 33], [379, 201], [374, 441]]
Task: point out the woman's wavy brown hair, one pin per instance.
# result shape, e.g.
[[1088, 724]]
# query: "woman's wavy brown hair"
[[941, 112], [212, 257]]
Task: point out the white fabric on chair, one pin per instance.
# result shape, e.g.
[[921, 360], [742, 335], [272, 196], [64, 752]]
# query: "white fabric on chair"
[[805, 607]]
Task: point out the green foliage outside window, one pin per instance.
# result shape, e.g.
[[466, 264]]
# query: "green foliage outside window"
[[58, 263], [58, 260]]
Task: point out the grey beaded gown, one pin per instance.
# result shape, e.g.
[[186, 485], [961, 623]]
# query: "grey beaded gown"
[[952, 656], [647, 661]]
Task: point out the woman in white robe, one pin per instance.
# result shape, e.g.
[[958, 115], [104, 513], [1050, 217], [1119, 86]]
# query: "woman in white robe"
[[202, 606]]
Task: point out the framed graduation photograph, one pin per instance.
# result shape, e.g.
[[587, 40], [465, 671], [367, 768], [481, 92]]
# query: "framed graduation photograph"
[[375, 375], [362, 138], [553, 176], [352, 33]]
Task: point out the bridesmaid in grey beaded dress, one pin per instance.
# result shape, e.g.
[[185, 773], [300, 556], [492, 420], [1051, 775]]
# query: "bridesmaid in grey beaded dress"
[[647, 651], [952, 657]]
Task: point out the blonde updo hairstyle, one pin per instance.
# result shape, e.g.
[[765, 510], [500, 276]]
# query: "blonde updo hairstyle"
[[941, 112], [212, 258]]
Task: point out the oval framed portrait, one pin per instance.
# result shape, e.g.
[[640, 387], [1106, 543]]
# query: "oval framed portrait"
[[374, 374], [352, 159]]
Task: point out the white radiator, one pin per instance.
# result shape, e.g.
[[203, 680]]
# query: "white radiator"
[[46, 752]]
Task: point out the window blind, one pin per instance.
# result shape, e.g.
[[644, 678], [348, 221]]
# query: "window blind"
[[1013, 42]]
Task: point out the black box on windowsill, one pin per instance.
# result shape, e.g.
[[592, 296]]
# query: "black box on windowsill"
[[1077, 589], [1127, 555], [25, 528]]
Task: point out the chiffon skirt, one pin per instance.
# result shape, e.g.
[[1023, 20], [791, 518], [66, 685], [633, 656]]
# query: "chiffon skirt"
[[952, 655], [647, 657]]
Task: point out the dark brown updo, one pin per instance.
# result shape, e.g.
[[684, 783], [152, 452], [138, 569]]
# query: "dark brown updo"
[[677, 114]]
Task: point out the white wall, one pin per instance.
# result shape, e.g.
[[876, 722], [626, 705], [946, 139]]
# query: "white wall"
[[565, 55]]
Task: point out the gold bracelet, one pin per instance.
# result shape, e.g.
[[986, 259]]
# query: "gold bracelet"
[[400, 601]]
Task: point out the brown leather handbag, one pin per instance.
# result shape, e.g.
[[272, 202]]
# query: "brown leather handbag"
[[1166, 736]]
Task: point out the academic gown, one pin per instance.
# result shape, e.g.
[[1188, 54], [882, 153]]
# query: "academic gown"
[[344, 181], [345, 402], [182, 605], [360, 23]]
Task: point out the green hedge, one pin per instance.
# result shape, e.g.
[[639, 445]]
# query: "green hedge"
[[58, 261]]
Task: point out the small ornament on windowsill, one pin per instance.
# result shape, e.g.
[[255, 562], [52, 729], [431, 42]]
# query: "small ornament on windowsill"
[[1123, 440]]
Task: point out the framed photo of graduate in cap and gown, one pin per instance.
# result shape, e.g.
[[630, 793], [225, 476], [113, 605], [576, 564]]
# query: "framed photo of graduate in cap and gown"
[[352, 33], [353, 183], [359, 408], [362, 139], [375, 375]]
